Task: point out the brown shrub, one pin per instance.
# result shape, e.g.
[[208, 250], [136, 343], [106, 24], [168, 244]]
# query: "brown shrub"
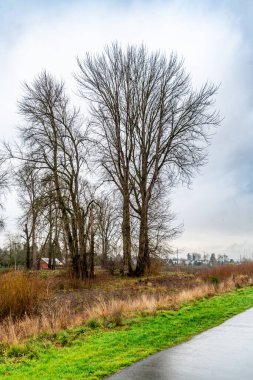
[[224, 272], [156, 266], [105, 312], [107, 309], [19, 294]]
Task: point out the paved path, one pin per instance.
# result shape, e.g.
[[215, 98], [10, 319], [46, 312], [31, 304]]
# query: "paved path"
[[222, 353]]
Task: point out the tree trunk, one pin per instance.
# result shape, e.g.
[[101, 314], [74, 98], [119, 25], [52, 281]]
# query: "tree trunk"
[[82, 245], [126, 234], [50, 245], [33, 257], [143, 260], [28, 252], [92, 241], [105, 248]]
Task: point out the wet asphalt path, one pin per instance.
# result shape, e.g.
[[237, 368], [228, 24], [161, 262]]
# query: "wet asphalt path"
[[222, 353]]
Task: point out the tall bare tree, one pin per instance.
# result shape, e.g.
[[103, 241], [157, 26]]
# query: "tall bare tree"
[[108, 220], [4, 184], [153, 128], [31, 202], [54, 142], [101, 81]]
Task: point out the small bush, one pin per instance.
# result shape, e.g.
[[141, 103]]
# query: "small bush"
[[226, 271], [214, 280], [113, 264], [156, 266], [64, 340], [19, 294], [21, 351], [93, 324], [114, 320], [3, 349]]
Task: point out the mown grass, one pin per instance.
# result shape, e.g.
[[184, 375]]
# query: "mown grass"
[[94, 353]]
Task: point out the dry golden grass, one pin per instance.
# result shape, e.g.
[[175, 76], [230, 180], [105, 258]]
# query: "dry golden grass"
[[151, 303], [23, 314], [106, 312], [19, 294], [224, 272], [15, 331]]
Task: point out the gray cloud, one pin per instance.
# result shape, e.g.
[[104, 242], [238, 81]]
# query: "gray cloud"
[[215, 39]]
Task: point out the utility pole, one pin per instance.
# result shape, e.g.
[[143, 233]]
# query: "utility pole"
[[10, 250], [15, 256]]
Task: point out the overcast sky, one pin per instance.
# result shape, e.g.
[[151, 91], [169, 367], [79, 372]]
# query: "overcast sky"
[[215, 39]]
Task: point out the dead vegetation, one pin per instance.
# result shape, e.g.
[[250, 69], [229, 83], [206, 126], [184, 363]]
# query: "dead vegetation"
[[105, 302], [19, 294], [223, 272]]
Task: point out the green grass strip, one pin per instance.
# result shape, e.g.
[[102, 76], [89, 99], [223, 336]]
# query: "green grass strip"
[[83, 353]]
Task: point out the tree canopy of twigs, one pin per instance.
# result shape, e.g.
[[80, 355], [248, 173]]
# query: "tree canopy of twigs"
[[148, 130], [152, 128]]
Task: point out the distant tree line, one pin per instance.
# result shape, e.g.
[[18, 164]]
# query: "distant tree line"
[[95, 186]]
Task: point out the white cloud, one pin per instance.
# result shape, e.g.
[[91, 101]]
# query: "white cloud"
[[212, 41]]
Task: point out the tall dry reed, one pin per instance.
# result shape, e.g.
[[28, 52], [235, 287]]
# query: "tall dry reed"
[[19, 294], [103, 311]]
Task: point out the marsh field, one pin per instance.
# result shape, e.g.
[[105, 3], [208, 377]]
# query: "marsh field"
[[60, 327]]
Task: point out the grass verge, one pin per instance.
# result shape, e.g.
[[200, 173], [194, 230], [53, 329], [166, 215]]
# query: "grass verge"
[[94, 352]]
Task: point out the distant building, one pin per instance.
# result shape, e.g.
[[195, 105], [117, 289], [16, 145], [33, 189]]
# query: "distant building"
[[43, 263], [223, 259], [213, 260], [196, 256], [196, 259]]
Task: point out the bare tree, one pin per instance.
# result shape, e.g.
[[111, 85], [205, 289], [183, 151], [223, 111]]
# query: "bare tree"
[[54, 142], [108, 220], [153, 128], [161, 225], [101, 80], [31, 201], [4, 185], [14, 247]]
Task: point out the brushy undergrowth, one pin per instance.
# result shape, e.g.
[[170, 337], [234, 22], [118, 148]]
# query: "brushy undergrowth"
[[24, 314], [104, 312], [20, 294], [224, 272], [96, 352]]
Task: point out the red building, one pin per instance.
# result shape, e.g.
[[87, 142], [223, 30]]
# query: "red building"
[[43, 263]]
